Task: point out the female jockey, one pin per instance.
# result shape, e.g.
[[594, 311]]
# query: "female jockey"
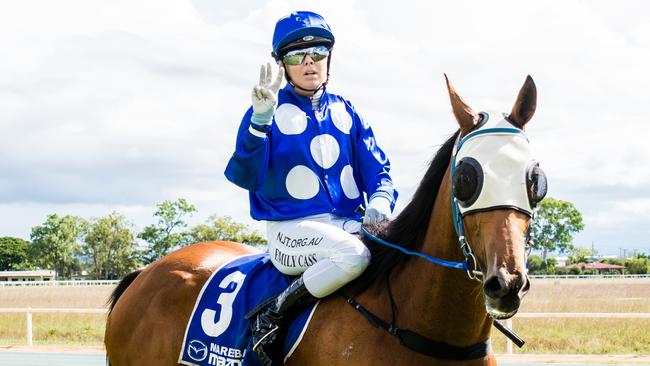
[[307, 165]]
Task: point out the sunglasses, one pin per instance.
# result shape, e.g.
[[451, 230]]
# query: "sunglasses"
[[296, 57]]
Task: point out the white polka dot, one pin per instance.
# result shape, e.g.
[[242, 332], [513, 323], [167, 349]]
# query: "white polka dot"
[[290, 119], [341, 118], [348, 184], [325, 150], [302, 183]]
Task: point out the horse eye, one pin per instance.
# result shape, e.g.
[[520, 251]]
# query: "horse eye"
[[537, 184], [467, 181]]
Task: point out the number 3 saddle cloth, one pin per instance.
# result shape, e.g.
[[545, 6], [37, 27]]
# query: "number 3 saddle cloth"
[[218, 333]]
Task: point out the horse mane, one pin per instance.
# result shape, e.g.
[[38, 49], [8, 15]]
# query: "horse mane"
[[409, 227]]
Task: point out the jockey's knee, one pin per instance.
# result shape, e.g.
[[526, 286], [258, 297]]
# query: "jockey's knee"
[[353, 258]]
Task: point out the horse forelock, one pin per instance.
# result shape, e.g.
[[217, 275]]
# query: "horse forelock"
[[409, 228]]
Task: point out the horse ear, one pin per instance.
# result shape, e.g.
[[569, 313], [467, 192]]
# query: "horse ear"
[[525, 104], [464, 114]]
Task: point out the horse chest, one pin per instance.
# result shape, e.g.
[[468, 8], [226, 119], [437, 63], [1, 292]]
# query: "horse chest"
[[338, 335]]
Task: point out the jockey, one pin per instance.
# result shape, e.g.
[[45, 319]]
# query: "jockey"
[[308, 164]]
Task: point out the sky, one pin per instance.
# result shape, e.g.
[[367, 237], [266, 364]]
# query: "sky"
[[120, 105]]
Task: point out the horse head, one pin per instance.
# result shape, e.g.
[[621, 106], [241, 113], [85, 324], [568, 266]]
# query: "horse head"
[[495, 184]]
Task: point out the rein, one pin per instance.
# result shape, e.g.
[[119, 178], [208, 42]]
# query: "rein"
[[441, 262]]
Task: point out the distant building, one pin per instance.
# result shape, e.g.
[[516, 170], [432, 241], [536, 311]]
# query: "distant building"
[[561, 261], [80, 276], [36, 275]]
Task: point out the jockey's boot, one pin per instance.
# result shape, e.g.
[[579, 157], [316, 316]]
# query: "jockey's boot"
[[269, 328]]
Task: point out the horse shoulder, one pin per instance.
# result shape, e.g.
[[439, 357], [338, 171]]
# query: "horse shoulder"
[[339, 335]]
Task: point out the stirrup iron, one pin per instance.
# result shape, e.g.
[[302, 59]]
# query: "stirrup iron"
[[260, 342]]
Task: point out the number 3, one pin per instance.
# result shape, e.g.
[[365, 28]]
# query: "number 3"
[[225, 300]]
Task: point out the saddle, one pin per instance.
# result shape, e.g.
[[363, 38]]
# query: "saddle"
[[219, 329]]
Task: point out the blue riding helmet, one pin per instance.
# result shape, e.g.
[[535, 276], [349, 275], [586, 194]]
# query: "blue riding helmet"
[[306, 27]]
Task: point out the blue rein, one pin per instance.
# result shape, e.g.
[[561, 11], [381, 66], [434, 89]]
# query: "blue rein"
[[458, 265]]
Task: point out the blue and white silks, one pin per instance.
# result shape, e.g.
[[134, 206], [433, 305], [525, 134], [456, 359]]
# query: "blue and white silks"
[[309, 161]]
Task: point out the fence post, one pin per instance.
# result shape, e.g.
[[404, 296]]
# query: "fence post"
[[508, 341], [29, 327]]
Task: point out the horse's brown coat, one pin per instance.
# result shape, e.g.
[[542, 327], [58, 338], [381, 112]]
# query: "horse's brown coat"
[[147, 323]]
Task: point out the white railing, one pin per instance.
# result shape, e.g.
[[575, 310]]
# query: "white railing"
[[571, 315], [59, 283], [30, 311], [115, 282]]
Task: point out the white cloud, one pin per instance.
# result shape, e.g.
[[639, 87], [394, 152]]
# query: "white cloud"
[[112, 105]]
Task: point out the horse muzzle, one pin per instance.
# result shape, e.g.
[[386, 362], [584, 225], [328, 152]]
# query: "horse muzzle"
[[503, 293]]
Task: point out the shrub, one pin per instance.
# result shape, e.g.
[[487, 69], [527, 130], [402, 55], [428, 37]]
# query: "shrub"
[[561, 271], [535, 264], [636, 265]]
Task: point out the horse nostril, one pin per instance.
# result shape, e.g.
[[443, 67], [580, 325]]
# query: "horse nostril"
[[526, 287], [495, 287]]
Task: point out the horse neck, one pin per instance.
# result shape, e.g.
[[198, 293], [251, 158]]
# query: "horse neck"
[[441, 303]]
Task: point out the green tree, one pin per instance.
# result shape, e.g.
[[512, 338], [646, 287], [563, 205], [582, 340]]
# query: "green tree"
[[551, 264], [637, 265], [581, 255], [13, 253], [535, 264], [555, 223], [55, 244], [618, 261], [110, 247], [167, 234], [225, 228]]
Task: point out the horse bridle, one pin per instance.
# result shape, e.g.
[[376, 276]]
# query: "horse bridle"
[[417, 342], [471, 264]]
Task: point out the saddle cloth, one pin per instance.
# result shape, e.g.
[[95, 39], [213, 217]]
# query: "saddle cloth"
[[218, 333]]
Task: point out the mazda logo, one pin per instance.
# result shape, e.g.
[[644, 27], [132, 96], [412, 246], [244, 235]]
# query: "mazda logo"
[[197, 350]]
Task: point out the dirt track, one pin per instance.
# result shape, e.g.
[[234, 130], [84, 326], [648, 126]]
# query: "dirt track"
[[516, 358]]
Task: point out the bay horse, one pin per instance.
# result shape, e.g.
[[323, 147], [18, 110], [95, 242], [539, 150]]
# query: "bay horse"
[[420, 305]]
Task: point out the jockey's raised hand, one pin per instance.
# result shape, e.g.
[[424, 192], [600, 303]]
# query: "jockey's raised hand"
[[265, 95]]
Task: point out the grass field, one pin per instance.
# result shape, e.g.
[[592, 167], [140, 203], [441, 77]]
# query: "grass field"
[[584, 336], [557, 336], [67, 329]]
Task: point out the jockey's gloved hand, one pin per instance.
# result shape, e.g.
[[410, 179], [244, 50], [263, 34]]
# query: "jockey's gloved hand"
[[265, 95], [378, 210]]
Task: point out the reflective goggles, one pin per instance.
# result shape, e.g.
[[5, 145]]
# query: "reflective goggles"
[[296, 57]]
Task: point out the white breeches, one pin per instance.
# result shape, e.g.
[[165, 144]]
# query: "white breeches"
[[322, 247]]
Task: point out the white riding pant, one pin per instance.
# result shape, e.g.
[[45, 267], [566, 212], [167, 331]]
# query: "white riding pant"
[[322, 247]]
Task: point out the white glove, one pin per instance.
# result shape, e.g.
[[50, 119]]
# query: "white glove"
[[265, 95], [378, 210]]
